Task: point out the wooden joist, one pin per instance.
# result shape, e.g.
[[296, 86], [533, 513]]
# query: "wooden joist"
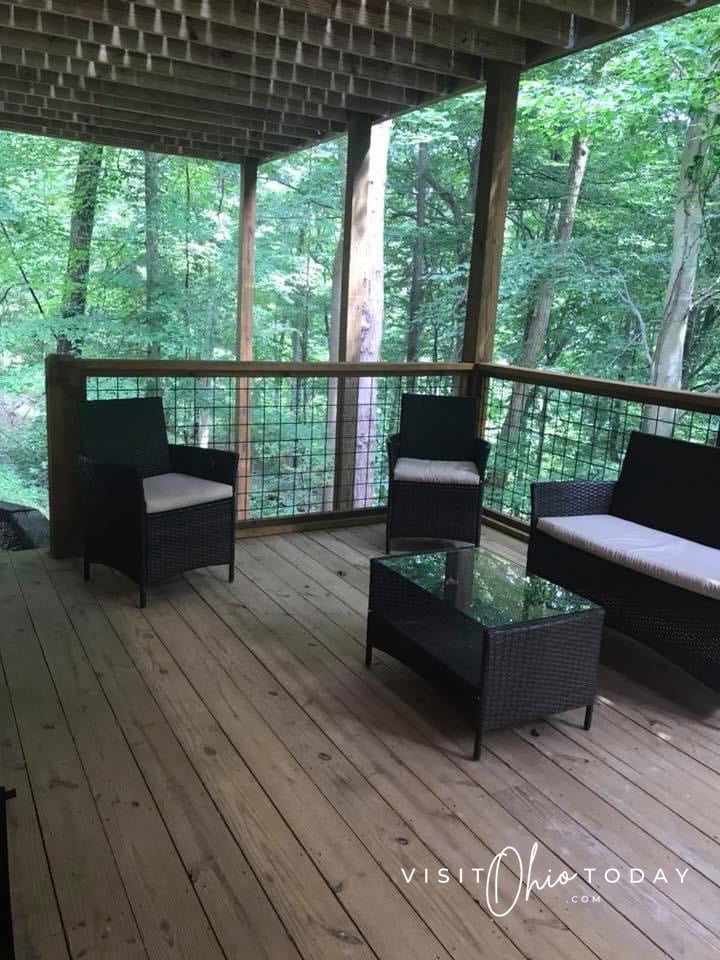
[[294, 72], [88, 40], [265, 30]]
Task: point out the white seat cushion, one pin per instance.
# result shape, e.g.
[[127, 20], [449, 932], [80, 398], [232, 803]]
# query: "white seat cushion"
[[172, 491], [410, 470], [672, 559]]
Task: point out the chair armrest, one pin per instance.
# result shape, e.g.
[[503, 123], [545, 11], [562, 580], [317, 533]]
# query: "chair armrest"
[[111, 489], [570, 498], [218, 465], [480, 457], [393, 450]]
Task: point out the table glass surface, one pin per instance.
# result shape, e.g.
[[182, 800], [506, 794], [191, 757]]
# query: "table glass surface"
[[485, 587]]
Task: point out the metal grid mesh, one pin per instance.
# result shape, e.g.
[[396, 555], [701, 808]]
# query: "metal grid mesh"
[[292, 425], [558, 434]]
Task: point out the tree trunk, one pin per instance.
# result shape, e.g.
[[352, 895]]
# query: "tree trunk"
[[539, 313], [82, 224], [153, 272], [667, 365], [372, 313], [418, 258]]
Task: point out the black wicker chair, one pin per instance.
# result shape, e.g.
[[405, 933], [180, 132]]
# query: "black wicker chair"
[[667, 485], [438, 436], [151, 509]]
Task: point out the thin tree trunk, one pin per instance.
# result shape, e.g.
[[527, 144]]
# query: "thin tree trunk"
[[373, 311], [82, 224], [418, 258], [541, 307], [153, 281], [667, 365]]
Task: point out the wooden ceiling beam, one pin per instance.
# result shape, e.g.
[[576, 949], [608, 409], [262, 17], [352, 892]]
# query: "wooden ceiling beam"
[[390, 17], [36, 105], [646, 13], [195, 81], [249, 27], [614, 13], [86, 133], [71, 36], [512, 17], [86, 93]]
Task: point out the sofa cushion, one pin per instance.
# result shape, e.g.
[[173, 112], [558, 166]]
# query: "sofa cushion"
[[664, 556], [172, 491], [410, 470], [670, 485]]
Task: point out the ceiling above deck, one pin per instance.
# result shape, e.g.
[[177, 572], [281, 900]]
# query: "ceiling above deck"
[[231, 79]]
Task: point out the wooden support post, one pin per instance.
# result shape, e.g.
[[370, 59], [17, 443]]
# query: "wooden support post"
[[351, 304], [243, 349], [64, 389], [502, 83]]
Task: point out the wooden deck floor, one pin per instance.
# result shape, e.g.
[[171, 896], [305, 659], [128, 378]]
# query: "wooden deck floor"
[[218, 776]]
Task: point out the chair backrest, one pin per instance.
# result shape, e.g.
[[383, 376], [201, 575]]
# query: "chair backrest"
[[670, 485], [130, 433], [438, 428]]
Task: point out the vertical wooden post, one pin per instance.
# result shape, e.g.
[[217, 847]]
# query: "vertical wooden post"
[[351, 303], [243, 348], [501, 94], [64, 389]]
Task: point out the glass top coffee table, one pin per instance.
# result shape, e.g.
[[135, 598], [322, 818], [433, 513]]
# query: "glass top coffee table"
[[509, 648]]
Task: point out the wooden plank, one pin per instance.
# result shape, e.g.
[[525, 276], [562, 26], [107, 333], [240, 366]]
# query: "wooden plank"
[[174, 76], [490, 207], [82, 101], [513, 17], [638, 848], [84, 134], [49, 33], [244, 330], [207, 115], [272, 526], [414, 25], [260, 368], [645, 13], [425, 781], [461, 925], [170, 919], [238, 908], [614, 13], [64, 389], [634, 392], [644, 811], [264, 19], [315, 894], [37, 928], [113, 23], [313, 569], [130, 122], [96, 915]]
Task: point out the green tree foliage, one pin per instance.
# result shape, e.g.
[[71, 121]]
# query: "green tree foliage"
[[632, 101]]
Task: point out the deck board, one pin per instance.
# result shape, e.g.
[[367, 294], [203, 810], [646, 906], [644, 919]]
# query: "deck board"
[[244, 787]]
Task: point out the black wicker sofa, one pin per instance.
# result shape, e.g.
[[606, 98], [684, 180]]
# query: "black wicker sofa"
[[645, 548]]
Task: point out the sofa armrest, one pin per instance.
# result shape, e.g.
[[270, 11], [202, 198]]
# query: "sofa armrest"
[[218, 465], [393, 451], [570, 498]]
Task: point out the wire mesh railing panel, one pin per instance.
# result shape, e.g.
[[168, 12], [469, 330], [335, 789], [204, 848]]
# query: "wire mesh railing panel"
[[541, 432], [287, 430]]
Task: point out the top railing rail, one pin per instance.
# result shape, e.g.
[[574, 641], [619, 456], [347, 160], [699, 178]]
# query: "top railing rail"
[[253, 368], [616, 389]]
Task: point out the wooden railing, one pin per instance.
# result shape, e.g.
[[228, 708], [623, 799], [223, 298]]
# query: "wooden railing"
[[311, 435]]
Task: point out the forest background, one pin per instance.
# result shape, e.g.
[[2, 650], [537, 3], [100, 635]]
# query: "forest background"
[[611, 265]]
